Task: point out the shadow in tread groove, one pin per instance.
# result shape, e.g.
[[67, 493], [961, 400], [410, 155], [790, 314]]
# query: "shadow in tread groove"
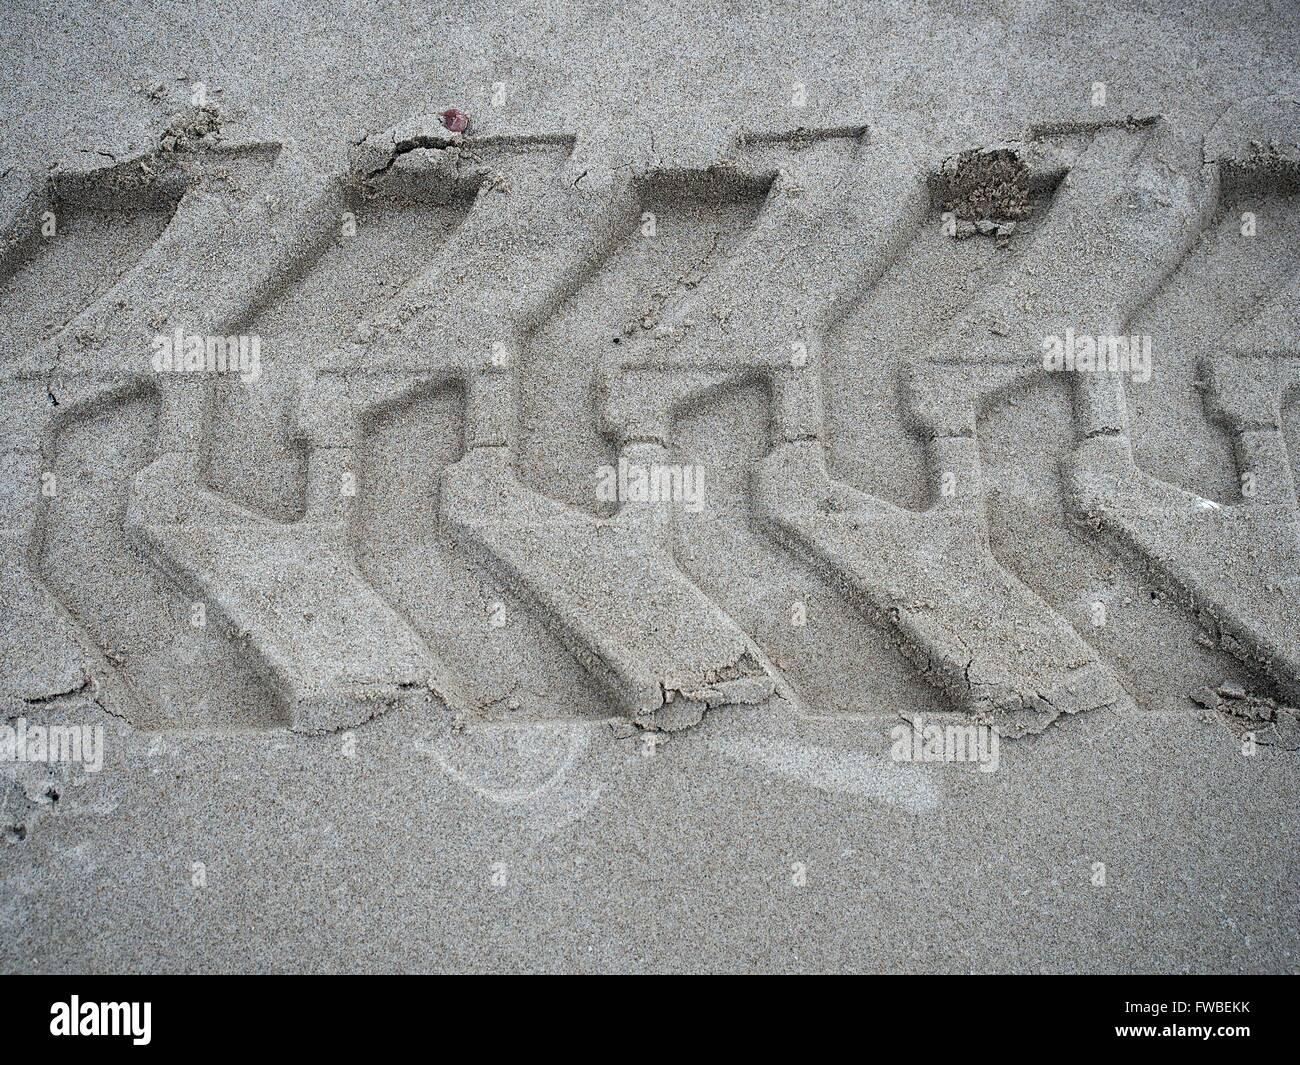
[[89, 252], [1153, 644], [181, 675], [696, 224], [1219, 287], [517, 671], [838, 662], [328, 306]]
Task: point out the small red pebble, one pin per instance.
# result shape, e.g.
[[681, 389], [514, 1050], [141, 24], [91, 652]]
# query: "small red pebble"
[[455, 120]]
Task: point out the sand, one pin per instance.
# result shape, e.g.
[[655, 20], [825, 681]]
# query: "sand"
[[936, 656]]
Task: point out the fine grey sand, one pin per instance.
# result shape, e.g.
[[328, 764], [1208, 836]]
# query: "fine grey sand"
[[325, 423]]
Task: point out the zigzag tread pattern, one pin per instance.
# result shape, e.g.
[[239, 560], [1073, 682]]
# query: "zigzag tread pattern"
[[773, 248]]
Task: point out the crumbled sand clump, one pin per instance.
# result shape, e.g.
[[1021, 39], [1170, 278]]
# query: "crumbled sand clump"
[[986, 189]]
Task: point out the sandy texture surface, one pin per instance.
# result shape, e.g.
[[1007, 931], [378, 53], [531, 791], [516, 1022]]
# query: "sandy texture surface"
[[378, 661]]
